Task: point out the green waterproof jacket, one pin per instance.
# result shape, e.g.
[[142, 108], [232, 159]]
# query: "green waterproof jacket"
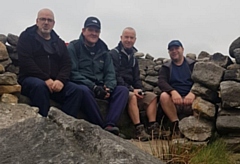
[[91, 70]]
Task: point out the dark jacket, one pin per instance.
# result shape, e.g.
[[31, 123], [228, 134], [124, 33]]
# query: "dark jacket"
[[91, 70], [34, 61], [165, 72], [126, 68]]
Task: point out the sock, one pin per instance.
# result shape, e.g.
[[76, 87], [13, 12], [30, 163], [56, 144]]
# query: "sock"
[[135, 125]]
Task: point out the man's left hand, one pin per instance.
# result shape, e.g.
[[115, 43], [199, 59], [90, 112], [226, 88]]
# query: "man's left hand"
[[57, 86], [188, 100]]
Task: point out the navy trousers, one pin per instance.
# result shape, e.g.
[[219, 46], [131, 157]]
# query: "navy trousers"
[[70, 97], [116, 104], [74, 98]]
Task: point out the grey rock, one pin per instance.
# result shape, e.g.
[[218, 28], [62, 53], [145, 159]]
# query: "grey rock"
[[142, 72], [139, 54], [203, 54], [235, 44], [147, 87], [3, 52], [6, 63], [148, 56], [207, 74], [11, 49], [157, 90], [205, 93], [142, 77], [230, 91], [157, 67], [3, 38], [2, 69], [191, 56], [145, 63], [228, 125], [12, 39], [152, 72], [204, 108], [166, 60], [9, 98], [159, 60], [8, 78], [12, 68], [221, 60], [236, 53], [11, 114], [233, 66], [233, 74], [232, 143], [196, 129], [153, 80]]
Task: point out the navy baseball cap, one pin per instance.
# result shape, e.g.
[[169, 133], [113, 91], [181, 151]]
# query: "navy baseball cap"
[[176, 43], [92, 21]]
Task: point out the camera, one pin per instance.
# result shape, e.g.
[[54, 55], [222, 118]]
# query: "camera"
[[141, 93]]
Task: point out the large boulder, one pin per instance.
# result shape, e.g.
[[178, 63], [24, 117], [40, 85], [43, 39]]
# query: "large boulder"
[[235, 44], [63, 139]]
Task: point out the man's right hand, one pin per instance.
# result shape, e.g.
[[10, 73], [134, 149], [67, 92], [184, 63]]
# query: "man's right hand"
[[176, 97], [49, 84], [136, 92], [99, 92]]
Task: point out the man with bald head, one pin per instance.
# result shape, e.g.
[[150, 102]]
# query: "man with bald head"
[[127, 74], [45, 66]]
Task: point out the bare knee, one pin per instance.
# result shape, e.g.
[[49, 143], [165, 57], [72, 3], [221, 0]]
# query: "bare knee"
[[165, 97]]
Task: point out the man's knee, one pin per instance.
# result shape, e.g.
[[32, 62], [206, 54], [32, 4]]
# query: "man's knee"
[[132, 97], [164, 97]]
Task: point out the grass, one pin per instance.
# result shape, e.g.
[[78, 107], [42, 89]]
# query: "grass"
[[183, 151], [215, 153]]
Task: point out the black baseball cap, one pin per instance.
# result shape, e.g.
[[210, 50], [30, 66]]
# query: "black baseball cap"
[[176, 43], [92, 21]]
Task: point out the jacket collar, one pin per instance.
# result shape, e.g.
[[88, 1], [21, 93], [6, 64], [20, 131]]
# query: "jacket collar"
[[33, 32]]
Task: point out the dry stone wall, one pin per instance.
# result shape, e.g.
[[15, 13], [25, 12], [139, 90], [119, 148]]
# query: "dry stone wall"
[[216, 85]]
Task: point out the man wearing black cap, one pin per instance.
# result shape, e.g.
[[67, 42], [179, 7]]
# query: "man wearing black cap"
[[175, 82], [93, 71]]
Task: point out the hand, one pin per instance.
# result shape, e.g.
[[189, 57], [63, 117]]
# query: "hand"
[[136, 91], [188, 99], [176, 98], [108, 92], [99, 92], [57, 86], [49, 84]]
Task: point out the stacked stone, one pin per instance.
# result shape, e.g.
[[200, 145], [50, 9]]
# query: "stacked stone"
[[207, 76], [228, 119], [8, 69]]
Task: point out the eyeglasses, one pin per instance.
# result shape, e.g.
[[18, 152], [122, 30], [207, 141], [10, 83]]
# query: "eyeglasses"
[[46, 19]]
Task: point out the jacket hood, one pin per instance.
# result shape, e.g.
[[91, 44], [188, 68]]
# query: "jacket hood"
[[120, 47], [33, 30]]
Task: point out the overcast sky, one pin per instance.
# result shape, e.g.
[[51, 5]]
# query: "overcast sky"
[[206, 25]]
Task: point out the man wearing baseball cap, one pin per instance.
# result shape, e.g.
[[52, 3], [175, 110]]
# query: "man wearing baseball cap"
[[175, 82], [93, 71]]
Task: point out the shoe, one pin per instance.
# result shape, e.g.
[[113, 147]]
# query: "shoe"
[[112, 129], [141, 133], [153, 130]]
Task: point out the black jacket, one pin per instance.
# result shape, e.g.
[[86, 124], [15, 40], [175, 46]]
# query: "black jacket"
[[126, 68], [165, 72], [34, 61]]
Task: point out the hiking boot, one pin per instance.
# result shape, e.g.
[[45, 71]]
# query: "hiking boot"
[[112, 129], [141, 133], [153, 130]]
